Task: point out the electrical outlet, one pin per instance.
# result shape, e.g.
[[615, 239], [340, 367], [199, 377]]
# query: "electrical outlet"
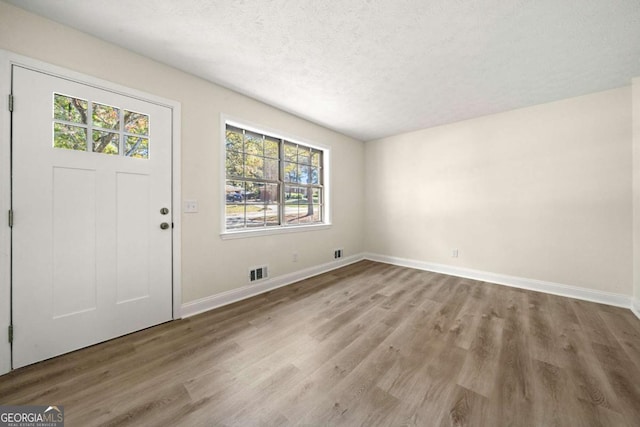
[[454, 253], [294, 257], [337, 254]]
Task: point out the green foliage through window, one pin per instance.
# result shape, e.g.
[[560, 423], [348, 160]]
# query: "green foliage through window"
[[271, 182], [113, 130]]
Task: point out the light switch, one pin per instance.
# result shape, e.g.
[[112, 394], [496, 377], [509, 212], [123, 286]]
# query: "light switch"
[[190, 206]]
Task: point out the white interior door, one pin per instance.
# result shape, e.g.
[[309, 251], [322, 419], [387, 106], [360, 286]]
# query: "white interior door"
[[91, 176]]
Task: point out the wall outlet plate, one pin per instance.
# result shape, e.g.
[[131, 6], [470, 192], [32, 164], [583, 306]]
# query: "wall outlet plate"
[[190, 206]]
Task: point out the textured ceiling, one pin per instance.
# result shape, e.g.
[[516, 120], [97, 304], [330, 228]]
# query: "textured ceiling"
[[371, 68]]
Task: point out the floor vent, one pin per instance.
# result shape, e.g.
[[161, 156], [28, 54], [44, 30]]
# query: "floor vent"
[[258, 273]]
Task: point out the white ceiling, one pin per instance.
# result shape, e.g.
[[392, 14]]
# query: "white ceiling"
[[374, 68]]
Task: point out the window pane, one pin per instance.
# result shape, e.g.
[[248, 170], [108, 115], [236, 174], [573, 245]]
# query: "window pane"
[[106, 117], [137, 123], [235, 164], [272, 217], [290, 152], [69, 137], [254, 166], [316, 195], [315, 176], [235, 191], [106, 142], [234, 216], [253, 143], [293, 195], [270, 194], [291, 172], [315, 158], [304, 155], [69, 109], [234, 139], [136, 146], [271, 169], [271, 147], [305, 174]]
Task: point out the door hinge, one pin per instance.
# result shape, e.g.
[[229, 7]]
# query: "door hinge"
[[10, 333], [10, 218], [11, 102]]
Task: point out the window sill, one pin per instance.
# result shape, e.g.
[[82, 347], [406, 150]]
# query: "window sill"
[[228, 235]]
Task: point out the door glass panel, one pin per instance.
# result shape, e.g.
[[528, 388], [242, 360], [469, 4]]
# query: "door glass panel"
[[108, 136], [69, 137], [69, 109], [136, 146], [106, 117], [136, 123], [106, 142]]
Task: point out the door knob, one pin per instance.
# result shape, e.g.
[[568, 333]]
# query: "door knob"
[[164, 225], [164, 211]]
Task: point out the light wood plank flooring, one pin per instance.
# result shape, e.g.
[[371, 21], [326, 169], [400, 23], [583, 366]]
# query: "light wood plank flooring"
[[368, 344]]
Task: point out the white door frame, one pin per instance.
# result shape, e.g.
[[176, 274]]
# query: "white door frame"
[[7, 60]]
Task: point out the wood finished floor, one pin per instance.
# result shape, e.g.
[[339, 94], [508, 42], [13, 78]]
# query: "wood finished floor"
[[369, 344]]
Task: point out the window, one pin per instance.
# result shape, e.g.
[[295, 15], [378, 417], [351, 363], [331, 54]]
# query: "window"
[[112, 131], [271, 182]]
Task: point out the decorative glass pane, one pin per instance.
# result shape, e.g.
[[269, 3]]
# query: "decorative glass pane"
[[271, 147], [136, 146], [69, 137], [69, 109], [253, 144], [106, 142], [254, 166], [235, 164], [106, 117], [137, 123], [234, 139]]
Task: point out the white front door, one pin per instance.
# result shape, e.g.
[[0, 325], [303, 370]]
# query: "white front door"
[[91, 187]]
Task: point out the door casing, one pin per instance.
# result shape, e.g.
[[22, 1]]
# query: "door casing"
[[7, 60]]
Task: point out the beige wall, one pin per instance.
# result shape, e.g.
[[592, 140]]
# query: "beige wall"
[[209, 264], [540, 193]]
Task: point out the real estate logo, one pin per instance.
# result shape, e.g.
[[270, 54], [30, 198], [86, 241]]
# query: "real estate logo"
[[31, 416]]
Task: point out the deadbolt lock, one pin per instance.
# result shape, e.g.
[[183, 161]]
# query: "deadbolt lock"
[[164, 211]]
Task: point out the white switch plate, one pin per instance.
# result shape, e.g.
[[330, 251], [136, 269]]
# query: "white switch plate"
[[190, 206]]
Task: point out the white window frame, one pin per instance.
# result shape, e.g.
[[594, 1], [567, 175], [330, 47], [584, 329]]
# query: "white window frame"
[[282, 229]]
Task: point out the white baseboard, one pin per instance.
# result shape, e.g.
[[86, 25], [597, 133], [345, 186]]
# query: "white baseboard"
[[214, 301], [635, 307], [208, 303], [576, 292]]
